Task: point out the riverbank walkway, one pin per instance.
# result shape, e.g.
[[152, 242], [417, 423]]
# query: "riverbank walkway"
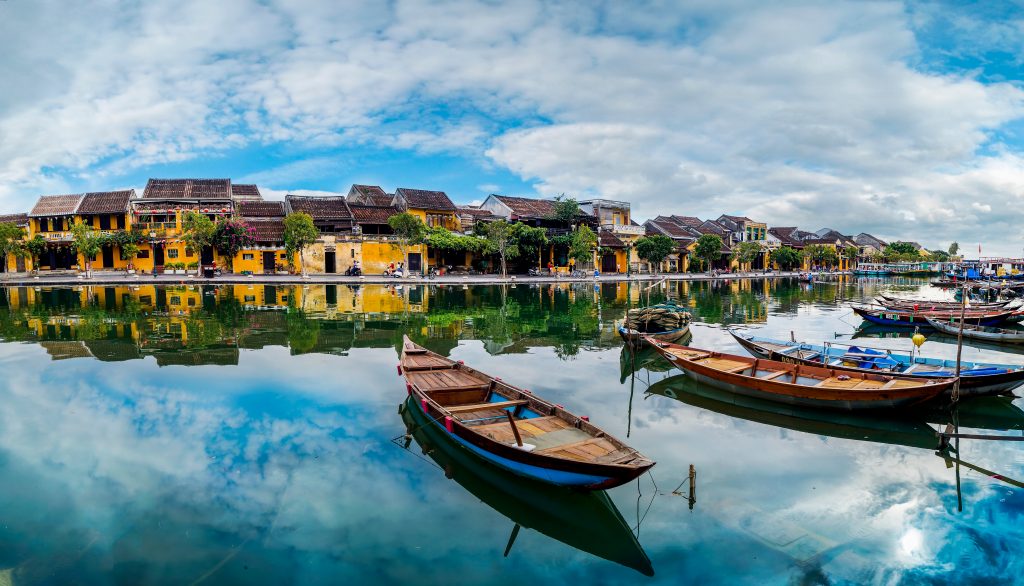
[[122, 278]]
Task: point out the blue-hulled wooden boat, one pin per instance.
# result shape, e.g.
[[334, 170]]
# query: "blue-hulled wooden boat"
[[976, 332], [514, 429], [978, 378], [909, 319], [587, 521], [799, 384]]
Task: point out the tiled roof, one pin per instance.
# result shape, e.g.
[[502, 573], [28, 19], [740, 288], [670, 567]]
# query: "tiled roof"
[[246, 192], [425, 200], [56, 205], [667, 227], [691, 221], [267, 229], [475, 212], [710, 227], [810, 241], [371, 195], [372, 214], [737, 219], [188, 189], [865, 239], [785, 236], [106, 202], [261, 209], [525, 207], [18, 219], [320, 207], [608, 239]]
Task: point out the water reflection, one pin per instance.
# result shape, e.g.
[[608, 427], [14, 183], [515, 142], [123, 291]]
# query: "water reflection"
[[587, 521]]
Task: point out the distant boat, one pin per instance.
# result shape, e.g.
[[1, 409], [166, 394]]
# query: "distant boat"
[[976, 332], [798, 384], [513, 428], [587, 521], [667, 322], [909, 319], [978, 378], [899, 303]]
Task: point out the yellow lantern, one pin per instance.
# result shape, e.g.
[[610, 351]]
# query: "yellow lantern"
[[918, 339]]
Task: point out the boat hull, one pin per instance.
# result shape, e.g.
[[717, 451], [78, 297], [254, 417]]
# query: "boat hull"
[[806, 396], [993, 337], [897, 318], [637, 337], [973, 386]]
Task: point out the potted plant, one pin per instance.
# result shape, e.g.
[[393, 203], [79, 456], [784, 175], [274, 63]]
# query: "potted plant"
[[193, 268], [281, 268]]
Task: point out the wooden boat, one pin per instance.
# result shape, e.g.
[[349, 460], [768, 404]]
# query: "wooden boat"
[[587, 521], [934, 305], [514, 429], [667, 322], [635, 358], [978, 378], [976, 332], [909, 319], [798, 384]]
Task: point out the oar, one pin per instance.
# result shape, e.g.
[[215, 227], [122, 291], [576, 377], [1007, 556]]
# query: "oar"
[[512, 539]]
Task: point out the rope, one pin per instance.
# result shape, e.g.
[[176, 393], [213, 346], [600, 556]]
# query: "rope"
[[639, 495]]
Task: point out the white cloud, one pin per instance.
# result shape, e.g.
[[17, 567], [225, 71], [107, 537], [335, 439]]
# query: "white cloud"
[[806, 114]]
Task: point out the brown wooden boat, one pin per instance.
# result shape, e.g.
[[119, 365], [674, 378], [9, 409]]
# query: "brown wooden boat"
[[799, 384], [514, 429]]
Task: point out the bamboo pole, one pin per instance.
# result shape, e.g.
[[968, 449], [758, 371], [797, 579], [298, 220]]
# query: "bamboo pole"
[[515, 430], [960, 346]]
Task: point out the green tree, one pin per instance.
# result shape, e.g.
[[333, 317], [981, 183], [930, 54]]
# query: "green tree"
[[128, 251], [88, 242], [938, 256], [409, 229], [897, 249], [198, 231], [299, 234], [708, 248], [822, 255], [36, 246], [566, 209], [654, 249], [745, 252], [501, 241], [954, 248], [787, 258], [582, 245], [11, 241]]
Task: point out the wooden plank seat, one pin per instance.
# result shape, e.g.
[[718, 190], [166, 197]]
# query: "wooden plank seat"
[[774, 375], [481, 406], [737, 369]]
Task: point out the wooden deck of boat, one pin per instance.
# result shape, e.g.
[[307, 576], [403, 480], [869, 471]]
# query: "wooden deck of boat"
[[803, 354], [783, 372]]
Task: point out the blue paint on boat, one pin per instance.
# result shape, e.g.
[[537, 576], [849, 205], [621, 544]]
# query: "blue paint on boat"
[[557, 477], [866, 358]]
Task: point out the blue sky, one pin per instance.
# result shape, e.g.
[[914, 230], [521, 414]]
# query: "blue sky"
[[900, 119]]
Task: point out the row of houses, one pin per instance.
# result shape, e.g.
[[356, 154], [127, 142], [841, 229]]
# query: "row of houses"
[[354, 228]]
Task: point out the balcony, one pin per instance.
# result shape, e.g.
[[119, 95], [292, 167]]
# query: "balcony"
[[628, 230]]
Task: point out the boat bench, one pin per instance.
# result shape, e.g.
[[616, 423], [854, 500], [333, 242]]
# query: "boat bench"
[[482, 406]]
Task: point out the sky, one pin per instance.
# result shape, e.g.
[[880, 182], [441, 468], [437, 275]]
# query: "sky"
[[904, 120]]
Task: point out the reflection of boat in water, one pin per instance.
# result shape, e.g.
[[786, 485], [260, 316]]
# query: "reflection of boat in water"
[[588, 521], [633, 359], [910, 431]]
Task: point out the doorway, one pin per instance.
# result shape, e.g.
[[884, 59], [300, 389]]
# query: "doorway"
[[415, 263], [205, 255], [108, 257], [268, 263], [608, 264], [158, 256], [329, 261]]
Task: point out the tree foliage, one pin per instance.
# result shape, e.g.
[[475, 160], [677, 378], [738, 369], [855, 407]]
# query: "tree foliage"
[[231, 237], [443, 239], [654, 249], [954, 248], [746, 252], [11, 240], [851, 253], [822, 255], [299, 234], [938, 256], [409, 230], [900, 248], [583, 243], [708, 248], [567, 209], [198, 231], [87, 241], [36, 246], [787, 258]]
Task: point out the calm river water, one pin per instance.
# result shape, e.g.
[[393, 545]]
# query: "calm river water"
[[251, 434]]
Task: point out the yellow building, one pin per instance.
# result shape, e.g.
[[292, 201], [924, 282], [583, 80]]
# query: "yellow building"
[[14, 263], [437, 211], [54, 216], [268, 255], [616, 234]]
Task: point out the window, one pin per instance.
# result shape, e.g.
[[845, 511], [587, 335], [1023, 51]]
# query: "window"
[[284, 256], [142, 254], [104, 222], [172, 253], [435, 220], [175, 300], [248, 257], [191, 301], [250, 299]]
